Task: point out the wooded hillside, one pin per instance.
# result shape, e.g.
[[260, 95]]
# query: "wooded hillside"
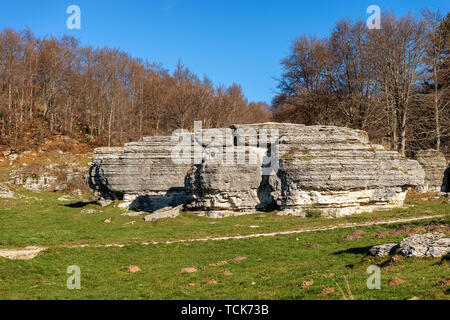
[[103, 96], [393, 82]]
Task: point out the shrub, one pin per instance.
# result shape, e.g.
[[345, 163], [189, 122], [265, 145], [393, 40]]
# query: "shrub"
[[33, 170], [78, 183], [313, 213]]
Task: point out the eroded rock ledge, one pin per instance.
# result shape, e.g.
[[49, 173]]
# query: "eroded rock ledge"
[[325, 170], [437, 171]]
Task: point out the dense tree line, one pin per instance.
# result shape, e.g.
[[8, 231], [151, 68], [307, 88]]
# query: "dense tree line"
[[393, 82], [54, 86]]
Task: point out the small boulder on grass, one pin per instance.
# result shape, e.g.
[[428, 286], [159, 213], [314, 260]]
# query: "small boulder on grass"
[[394, 281], [227, 273], [384, 250], [164, 214], [355, 235], [66, 198], [443, 282], [88, 211], [326, 291], [238, 259], [306, 284], [418, 245], [218, 264], [132, 214], [134, 269], [188, 270]]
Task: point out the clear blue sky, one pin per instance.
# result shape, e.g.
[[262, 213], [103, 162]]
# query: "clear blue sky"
[[233, 40]]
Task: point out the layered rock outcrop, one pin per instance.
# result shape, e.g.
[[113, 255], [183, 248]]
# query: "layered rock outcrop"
[[419, 245], [329, 169], [287, 167], [436, 171], [142, 174]]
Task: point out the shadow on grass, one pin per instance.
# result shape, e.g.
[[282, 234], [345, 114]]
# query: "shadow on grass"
[[79, 204], [356, 251], [444, 260], [361, 250]]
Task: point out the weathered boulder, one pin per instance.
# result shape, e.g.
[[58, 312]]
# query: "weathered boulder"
[[419, 245], [270, 166], [436, 171], [142, 174], [164, 214], [35, 183], [384, 249], [439, 248]]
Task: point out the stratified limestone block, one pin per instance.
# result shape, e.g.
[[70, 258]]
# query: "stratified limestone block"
[[220, 189], [435, 166], [329, 169], [142, 173], [97, 179]]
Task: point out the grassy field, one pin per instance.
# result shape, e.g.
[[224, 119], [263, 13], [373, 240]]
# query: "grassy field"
[[274, 268]]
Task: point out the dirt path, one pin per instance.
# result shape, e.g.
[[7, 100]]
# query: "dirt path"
[[31, 252], [27, 253]]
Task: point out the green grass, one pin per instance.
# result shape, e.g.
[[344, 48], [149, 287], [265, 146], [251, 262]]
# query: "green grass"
[[47, 222], [274, 269]]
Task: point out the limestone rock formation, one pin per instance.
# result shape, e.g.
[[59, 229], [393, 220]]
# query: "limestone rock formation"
[[383, 250], [436, 171], [35, 184], [164, 213], [287, 167], [418, 245], [331, 169], [142, 174]]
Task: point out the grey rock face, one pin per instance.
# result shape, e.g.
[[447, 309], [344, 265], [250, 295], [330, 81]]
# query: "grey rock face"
[[333, 169], [142, 174], [35, 184], [164, 214], [384, 249], [221, 190], [436, 171], [418, 245], [439, 248]]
